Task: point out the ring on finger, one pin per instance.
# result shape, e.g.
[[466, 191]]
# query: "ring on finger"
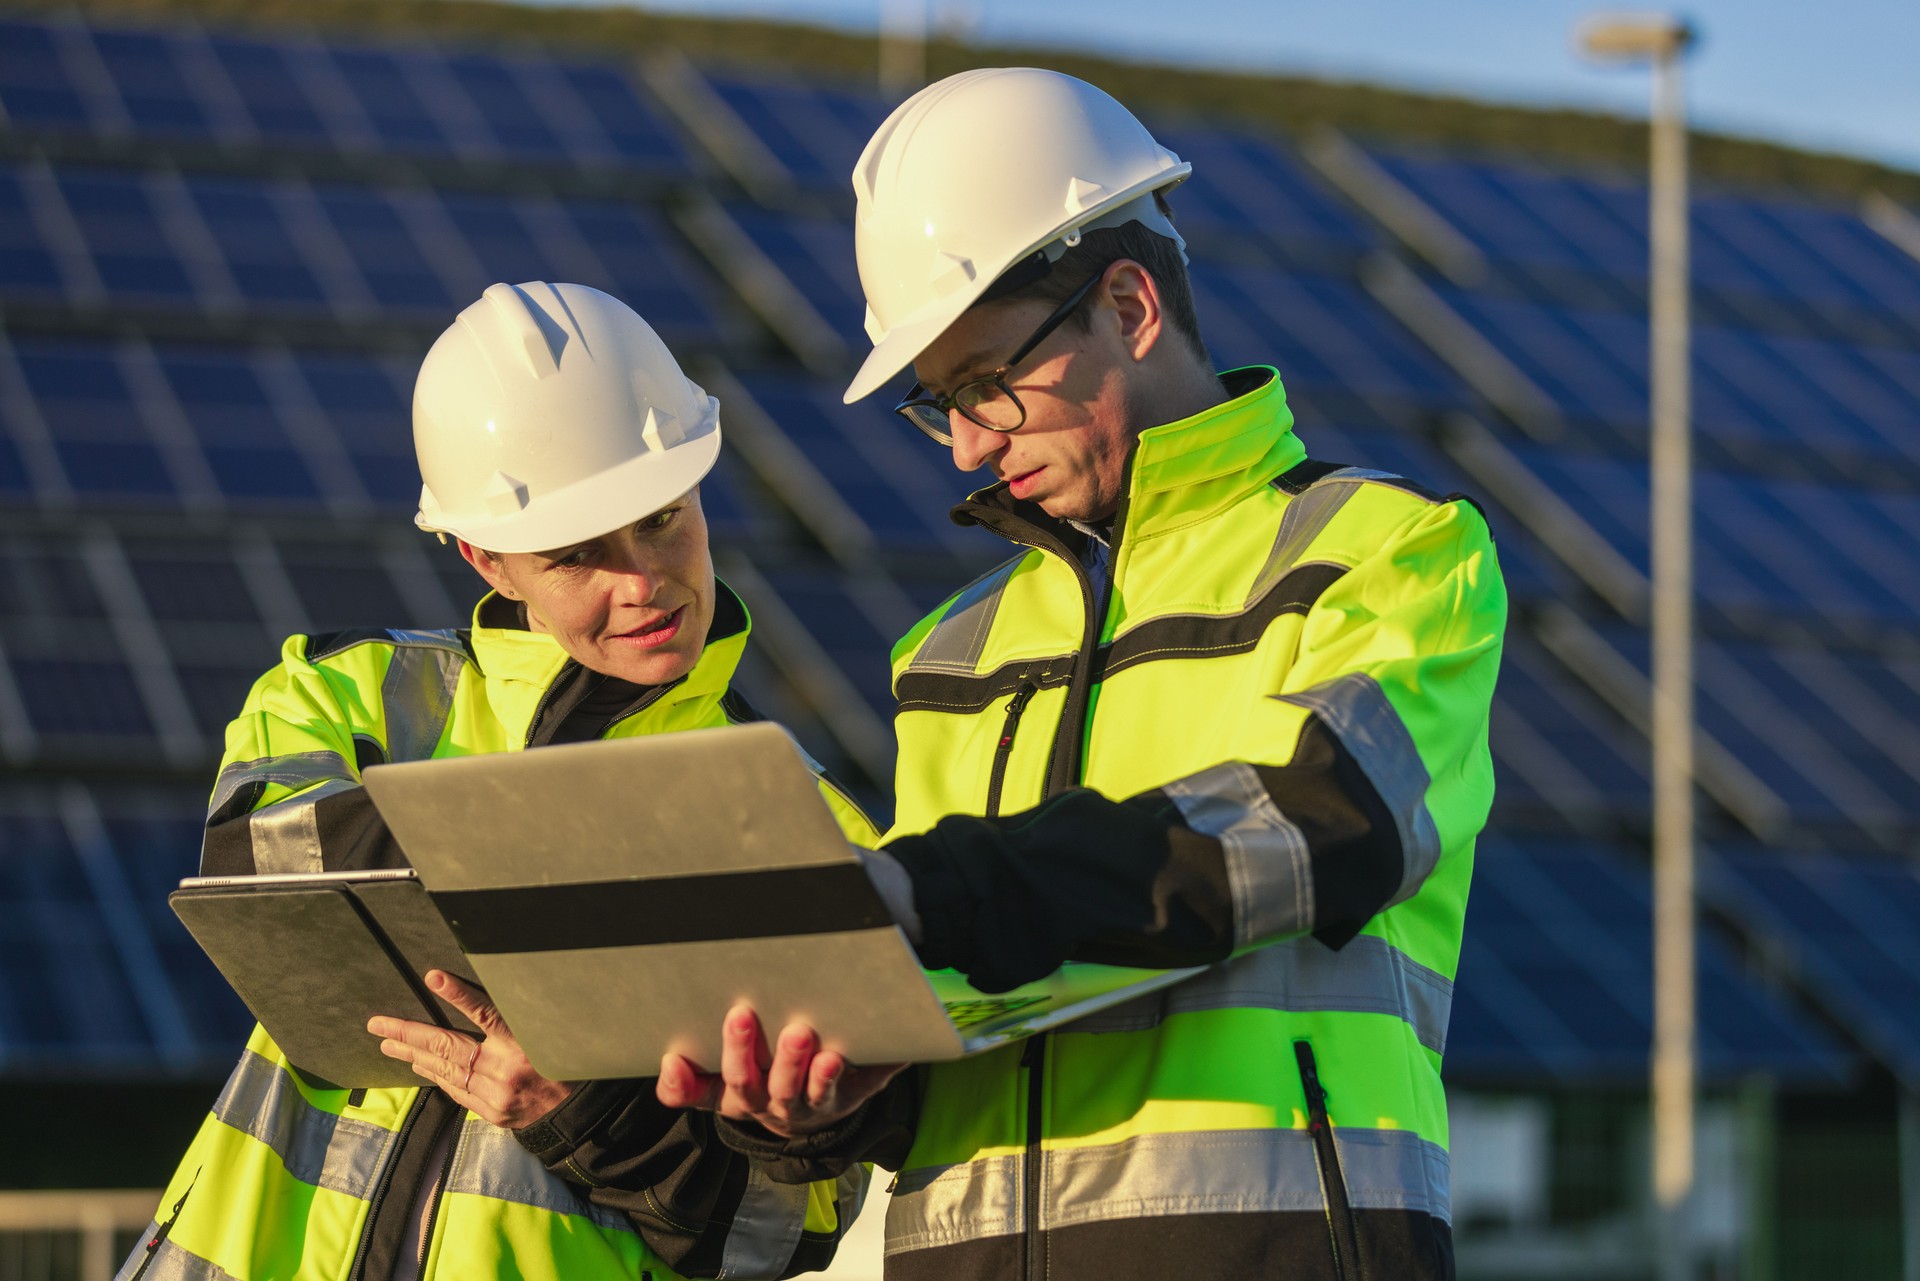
[[470, 1063]]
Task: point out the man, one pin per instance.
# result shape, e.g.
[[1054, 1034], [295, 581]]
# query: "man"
[[1227, 704], [562, 449]]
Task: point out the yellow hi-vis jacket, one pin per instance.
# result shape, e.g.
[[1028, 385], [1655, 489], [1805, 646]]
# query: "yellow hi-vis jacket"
[[1255, 734], [286, 1180]]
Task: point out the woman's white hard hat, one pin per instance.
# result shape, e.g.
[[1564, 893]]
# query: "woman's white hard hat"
[[549, 414], [977, 172]]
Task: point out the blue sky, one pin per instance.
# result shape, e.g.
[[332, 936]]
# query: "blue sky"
[[1842, 75]]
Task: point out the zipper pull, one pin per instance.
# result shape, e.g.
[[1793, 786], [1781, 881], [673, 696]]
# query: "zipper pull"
[[1016, 705]]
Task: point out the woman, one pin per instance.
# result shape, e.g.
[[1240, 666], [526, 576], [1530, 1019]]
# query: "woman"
[[561, 449]]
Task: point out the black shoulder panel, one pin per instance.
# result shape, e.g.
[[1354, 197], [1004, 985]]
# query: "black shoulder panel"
[[327, 644]]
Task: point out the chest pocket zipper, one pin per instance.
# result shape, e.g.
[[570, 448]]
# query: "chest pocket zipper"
[[1342, 1233], [1004, 748]]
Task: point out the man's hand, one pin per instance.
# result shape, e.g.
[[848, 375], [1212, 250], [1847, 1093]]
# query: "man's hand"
[[801, 1089], [489, 1077]]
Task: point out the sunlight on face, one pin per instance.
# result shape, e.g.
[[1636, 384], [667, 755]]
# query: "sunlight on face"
[[634, 603]]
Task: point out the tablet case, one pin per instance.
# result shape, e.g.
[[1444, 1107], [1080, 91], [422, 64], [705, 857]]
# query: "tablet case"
[[314, 960]]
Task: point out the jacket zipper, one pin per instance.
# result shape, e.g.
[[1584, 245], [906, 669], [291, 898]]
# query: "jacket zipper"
[[439, 1194], [1004, 749], [1033, 1057], [1342, 1236], [385, 1185], [161, 1232]]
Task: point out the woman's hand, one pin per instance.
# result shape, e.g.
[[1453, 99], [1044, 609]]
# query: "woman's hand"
[[490, 1077], [798, 1089]]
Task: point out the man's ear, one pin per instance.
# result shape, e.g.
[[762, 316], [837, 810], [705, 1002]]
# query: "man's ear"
[[488, 566], [1135, 298]]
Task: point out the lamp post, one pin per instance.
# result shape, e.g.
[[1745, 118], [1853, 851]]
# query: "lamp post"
[[1663, 40]]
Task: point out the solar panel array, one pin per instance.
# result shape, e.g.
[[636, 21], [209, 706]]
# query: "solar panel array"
[[221, 257]]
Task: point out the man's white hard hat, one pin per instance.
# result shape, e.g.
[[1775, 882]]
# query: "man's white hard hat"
[[549, 414], [976, 173]]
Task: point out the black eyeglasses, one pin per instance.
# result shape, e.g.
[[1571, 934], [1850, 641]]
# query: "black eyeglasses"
[[987, 400]]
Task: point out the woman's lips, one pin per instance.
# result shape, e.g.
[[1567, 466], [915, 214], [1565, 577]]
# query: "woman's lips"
[[658, 634]]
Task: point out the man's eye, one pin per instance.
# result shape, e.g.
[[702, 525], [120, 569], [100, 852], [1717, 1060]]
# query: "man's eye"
[[660, 519]]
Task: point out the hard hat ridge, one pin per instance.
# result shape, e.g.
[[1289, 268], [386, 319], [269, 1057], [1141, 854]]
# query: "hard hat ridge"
[[548, 414]]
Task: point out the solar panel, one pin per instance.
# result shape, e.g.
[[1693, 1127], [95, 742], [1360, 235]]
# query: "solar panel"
[[81, 393], [1555, 980], [1328, 338], [34, 87], [1248, 188], [263, 256], [898, 482], [817, 131], [1845, 924], [27, 269], [816, 254], [114, 212], [152, 88]]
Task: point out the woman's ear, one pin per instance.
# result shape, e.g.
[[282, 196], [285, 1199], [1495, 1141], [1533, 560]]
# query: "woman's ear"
[[488, 566]]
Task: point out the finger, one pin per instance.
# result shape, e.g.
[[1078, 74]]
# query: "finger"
[[787, 1079], [823, 1079], [452, 1046], [681, 1085], [469, 1000], [744, 1057]]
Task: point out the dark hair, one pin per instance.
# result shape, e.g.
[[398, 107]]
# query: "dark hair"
[[1105, 245]]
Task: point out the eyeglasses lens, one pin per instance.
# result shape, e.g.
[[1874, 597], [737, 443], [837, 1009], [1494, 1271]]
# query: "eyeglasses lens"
[[989, 403]]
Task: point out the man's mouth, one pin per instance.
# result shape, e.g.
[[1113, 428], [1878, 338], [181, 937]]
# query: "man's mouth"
[[1022, 485], [658, 632]]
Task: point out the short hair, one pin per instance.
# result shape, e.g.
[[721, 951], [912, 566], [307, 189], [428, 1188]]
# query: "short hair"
[[1106, 245]]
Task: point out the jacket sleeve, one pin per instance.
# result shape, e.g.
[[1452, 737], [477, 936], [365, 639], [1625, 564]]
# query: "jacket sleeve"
[[1370, 765], [706, 1209], [288, 796]]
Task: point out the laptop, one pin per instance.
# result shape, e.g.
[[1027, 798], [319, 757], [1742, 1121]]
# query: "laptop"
[[616, 898]]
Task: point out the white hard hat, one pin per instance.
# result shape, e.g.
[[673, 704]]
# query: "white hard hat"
[[977, 172], [550, 414]]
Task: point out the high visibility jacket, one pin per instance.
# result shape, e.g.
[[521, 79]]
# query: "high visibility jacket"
[[1259, 739], [288, 1180]]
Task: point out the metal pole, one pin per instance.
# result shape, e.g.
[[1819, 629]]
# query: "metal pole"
[[1910, 1182], [1674, 1037]]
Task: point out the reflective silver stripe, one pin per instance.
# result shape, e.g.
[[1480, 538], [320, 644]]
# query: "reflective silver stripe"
[[1205, 1172], [418, 693], [1307, 516], [316, 1146], [956, 642], [491, 1163], [944, 1205], [170, 1263], [850, 1195], [1356, 709], [1268, 868], [294, 770], [765, 1227], [1301, 976], [286, 834]]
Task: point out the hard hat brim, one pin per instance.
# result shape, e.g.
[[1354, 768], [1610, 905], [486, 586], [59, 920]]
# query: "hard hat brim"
[[597, 505], [904, 342]]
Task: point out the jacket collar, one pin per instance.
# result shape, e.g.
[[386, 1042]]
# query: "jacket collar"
[[1178, 473], [504, 649]]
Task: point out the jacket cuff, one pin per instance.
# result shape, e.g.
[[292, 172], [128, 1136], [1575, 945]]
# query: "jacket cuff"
[[565, 1128], [804, 1158], [945, 901]]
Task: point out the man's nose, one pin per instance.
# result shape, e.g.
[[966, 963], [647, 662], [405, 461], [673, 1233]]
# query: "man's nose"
[[973, 445]]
